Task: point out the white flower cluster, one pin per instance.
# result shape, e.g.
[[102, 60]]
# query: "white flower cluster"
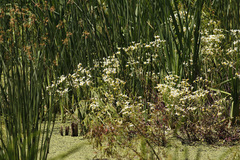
[[60, 89], [111, 67], [179, 97], [138, 46], [213, 39], [80, 78], [235, 32], [214, 50]]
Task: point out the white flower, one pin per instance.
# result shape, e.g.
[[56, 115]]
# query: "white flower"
[[147, 46]]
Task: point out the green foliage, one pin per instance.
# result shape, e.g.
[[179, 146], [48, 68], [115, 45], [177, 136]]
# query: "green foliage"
[[104, 63]]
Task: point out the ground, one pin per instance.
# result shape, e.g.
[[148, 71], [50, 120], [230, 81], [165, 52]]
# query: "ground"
[[61, 144]]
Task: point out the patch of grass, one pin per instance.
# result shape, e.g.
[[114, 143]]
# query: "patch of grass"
[[68, 147]]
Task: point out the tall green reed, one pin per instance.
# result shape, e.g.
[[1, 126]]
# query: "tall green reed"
[[27, 110], [181, 29]]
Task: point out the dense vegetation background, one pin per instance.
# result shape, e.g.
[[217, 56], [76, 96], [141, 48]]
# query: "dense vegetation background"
[[127, 71]]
